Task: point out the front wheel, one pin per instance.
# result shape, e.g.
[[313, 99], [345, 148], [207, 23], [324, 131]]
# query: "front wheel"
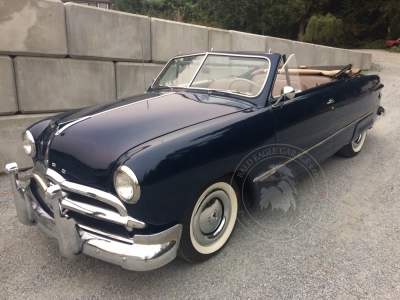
[[354, 147], [208, 222]]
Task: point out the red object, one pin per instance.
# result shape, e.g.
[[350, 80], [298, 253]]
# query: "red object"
[[393, 43]]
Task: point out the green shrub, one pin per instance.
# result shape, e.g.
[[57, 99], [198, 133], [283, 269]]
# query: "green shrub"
[[394, 49], [325, 30]]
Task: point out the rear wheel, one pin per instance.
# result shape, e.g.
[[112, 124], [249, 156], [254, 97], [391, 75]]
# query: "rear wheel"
[[354, 147], [209, 221]]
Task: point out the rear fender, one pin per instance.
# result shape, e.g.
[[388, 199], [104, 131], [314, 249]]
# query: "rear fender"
[[363, 125]]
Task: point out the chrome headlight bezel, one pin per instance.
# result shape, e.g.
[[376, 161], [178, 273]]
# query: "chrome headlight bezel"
[[133, 184], [28, 143]]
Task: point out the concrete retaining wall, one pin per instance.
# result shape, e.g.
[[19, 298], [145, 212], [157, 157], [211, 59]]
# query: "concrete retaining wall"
[[103, 34], [60, 84], [56, 57], [366, 61], [133, 78], [305, 53], [241, 41], [355, 58], [11, 128], [341, 57], [324, 55], [219, 40], [171, 38], [8, 93], [33, 27], [277, 45]]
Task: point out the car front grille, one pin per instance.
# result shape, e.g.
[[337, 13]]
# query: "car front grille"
[[87, 221]]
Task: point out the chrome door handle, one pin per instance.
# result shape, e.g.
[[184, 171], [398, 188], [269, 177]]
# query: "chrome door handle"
[[330, 101]]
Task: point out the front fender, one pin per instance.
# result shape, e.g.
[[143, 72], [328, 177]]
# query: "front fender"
[[172, 168]]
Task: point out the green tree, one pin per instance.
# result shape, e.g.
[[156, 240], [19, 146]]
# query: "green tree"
[[308, 8], [362, 20], [391, 13], [327, 30]]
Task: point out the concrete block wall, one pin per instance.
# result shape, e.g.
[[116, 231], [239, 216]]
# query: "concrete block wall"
[[277, 45], [105, 34], [8, 91], [241, 41], [170, 38], [134, 78], [305, 53], [366, 61], [33, 27], [324, 55], [56, 57], [11, 128], [219, 40], [60, 84]]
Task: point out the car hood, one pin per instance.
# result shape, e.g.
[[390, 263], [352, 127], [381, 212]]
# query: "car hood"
[[89, 141]]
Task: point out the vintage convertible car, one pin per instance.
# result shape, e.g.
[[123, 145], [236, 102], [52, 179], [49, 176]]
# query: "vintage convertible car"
[[137, 181]]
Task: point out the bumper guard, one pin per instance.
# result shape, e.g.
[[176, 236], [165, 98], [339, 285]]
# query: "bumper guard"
[[143, 253]]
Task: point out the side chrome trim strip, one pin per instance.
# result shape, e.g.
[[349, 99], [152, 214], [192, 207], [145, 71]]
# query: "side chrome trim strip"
[[265, 175]]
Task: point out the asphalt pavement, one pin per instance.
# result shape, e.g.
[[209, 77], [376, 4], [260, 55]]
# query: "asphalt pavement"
[[345, 246]]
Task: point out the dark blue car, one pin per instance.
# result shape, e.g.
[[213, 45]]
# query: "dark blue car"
[[139, 180]]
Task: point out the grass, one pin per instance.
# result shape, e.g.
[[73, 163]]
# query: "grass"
[[394, 49]]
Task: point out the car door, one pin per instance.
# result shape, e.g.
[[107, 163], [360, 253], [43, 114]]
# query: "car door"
[[353, 99], [304, 124]]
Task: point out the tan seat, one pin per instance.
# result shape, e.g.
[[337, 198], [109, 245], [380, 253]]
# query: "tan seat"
[[281, 83], [311, 81]]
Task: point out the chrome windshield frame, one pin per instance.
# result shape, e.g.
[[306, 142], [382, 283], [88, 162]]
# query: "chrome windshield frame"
[[206, 54]]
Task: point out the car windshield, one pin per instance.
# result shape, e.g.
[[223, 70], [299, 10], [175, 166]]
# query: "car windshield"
[[243, 75]]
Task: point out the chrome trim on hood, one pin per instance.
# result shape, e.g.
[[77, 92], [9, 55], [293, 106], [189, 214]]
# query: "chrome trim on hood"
[[103, 112], [69, 124]]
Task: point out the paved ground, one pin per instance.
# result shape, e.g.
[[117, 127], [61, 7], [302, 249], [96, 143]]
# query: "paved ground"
[[352, 252]]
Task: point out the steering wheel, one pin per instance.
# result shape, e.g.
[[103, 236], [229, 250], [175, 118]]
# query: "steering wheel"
[[246, 80]]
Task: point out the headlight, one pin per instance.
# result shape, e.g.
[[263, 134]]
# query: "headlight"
[[126, 185], [29, 143]]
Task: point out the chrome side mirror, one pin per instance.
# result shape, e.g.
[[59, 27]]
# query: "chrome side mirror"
[[287, 93]]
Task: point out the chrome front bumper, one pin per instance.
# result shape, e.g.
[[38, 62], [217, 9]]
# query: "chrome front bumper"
[[142, 253]]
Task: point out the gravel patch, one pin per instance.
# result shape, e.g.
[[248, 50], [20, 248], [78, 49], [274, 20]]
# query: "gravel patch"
[[353, 252]]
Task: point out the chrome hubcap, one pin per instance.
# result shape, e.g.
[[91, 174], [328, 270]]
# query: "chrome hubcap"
[[210, 217], [358, 143]]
